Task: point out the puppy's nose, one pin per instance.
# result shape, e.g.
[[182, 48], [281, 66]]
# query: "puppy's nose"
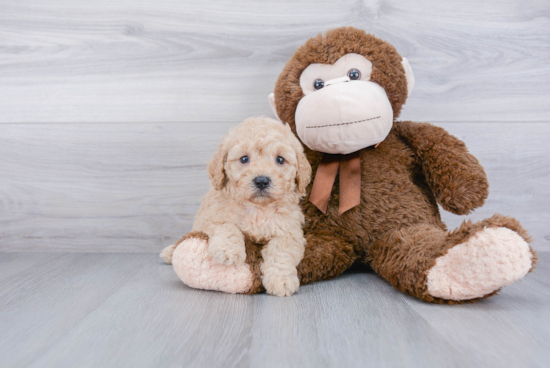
[[261, 182]]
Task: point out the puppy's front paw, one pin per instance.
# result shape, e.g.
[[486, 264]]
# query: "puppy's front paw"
[[226, 252], [281, 285]]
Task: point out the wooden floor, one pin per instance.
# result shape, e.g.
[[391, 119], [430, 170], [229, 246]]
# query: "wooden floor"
[[130, 310]]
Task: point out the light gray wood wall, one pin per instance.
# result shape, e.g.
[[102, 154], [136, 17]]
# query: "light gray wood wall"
[[109, 110]]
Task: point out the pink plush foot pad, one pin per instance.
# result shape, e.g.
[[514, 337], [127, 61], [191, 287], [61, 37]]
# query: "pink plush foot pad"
[[491, 259], [196, 269]]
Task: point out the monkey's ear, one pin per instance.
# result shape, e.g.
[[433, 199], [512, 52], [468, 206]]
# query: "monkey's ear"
[[409, 74], [271, 99], [216, 170]]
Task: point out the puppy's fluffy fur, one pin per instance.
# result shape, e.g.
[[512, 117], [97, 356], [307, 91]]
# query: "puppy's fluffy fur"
[[235, 207]]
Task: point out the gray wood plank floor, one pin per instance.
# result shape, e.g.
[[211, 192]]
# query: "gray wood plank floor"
[[130, 310]]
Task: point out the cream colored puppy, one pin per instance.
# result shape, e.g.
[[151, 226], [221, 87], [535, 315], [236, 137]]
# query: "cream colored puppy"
[[259, 175]]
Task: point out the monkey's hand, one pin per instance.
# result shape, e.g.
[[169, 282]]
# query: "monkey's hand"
[[226, 246], [455, 176]]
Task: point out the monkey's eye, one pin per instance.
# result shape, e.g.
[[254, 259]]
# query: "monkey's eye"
[[354, 74], [280, 160], [318, 84], [244, 159]]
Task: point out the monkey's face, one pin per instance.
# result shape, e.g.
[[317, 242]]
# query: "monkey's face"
[[342, 90], [342, 110]]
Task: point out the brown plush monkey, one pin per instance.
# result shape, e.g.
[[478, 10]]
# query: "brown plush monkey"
[[341, 93]]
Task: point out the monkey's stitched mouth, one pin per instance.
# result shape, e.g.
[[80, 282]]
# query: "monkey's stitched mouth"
[[349, 123]]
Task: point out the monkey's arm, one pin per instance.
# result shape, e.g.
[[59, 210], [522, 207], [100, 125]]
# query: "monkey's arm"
[[455, 176]]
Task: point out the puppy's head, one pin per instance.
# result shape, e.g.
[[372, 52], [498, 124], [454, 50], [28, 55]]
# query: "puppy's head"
[[260, 161]]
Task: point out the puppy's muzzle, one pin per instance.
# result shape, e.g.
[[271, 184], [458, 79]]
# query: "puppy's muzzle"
[[261, 182]]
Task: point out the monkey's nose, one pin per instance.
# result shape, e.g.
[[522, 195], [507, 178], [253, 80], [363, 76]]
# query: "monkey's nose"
[[261, 182]]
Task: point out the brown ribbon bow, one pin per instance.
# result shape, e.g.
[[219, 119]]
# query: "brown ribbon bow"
[[350, 181]]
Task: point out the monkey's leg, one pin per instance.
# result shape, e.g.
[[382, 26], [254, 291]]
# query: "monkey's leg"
[[326, 256], [472, 262], [197, 269]]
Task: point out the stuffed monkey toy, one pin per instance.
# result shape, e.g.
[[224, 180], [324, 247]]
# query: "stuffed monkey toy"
[[377, 185]]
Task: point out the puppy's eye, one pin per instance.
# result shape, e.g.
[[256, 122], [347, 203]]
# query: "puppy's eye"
[[318, 84], [244, 159], [280, 160], [354, 74]]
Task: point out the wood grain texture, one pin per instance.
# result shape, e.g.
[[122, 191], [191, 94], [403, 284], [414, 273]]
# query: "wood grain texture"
[[137, 187], [54, 296], [176, 61], [79, 172], [113, 310]]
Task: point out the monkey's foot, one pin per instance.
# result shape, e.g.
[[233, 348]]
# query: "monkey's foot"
[[491, 259], [198, 270]]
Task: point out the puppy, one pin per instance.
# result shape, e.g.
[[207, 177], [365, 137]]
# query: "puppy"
[[259, 175]]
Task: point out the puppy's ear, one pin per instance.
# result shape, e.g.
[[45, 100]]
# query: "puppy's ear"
[[303, 172], [303, 175], [216, 170]]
